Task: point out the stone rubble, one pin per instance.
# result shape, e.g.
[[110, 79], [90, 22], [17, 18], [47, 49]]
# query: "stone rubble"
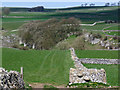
[[81, 74], [10, 80]]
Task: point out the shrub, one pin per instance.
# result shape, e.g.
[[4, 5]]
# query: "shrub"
[[78, 43], [15, 46], [47, 34], [97, 35], [23, 48], [105, 38], [63, 46]]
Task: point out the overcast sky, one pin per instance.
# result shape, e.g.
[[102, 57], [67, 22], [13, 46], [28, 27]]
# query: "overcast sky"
[[52, 3]]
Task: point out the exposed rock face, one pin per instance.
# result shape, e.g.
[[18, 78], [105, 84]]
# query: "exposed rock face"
[[10, 80], [82, 74]]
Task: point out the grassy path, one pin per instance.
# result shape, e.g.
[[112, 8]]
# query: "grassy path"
[[41, 66], [52, 66]]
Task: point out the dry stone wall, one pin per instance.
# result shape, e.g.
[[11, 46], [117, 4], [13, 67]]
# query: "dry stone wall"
[[99, 61], [10, 80], [81, 74]]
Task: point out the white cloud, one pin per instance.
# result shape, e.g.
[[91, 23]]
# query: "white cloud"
[[60, 1]]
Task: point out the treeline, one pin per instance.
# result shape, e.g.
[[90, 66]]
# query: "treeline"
[[46, 34]]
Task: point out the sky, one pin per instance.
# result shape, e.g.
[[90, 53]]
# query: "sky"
[[52, 3]]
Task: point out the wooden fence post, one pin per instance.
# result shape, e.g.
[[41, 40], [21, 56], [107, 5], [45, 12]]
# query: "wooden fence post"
[[22, 72]]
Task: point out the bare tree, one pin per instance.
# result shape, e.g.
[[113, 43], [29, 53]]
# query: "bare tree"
[[119, 3], [85, 4], [6, 11]]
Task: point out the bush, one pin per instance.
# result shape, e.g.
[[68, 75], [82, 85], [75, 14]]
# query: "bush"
[[105, 38], [97, 35], [63, 46], [23, 48], [15, 46], [78, 43], [48, 33]]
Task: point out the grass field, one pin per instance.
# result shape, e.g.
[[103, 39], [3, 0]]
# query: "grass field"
[[49, 66], [12, 25], [40, 66], [98, 26], [116, 27], [86, 15], [113, 33], [97, 54]]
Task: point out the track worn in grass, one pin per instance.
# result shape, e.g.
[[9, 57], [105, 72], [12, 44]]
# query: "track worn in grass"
[[45, 66]]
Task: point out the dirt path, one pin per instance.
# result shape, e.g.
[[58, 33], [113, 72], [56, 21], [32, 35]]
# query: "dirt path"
[[41, 85]]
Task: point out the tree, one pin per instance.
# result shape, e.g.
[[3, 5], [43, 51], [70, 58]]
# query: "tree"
[[6, 11], [107, 4], [119, 3], [45, 35]]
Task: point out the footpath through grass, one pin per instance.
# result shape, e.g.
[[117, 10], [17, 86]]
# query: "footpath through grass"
[[52, 66], [45, 66]]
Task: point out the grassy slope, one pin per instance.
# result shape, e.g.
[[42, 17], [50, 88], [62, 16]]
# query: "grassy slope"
[[12, 26], [97, 54], [49, 66], [39, 66]]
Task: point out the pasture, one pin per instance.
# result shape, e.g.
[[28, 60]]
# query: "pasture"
[[117, 33], [86, 15], [51, 66], [108, 54]]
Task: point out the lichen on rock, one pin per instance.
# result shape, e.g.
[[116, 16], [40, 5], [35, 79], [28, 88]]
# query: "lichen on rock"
[[11, 79]]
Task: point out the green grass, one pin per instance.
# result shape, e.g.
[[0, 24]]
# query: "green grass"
[[97, 54], [12, 25], [21, 19], [113, 33], [51, 66], [88, 15], [111, 72], [45, 66], [99, 26], [113, 28]]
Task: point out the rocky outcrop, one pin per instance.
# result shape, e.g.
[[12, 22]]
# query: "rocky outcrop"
[[10, 80], [81, 74]]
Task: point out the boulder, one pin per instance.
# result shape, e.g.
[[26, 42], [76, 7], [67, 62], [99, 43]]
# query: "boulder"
[[10, 80]]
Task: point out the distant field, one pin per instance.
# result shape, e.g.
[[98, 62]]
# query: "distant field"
[[12, 25], [49, 66], [116, 27], [113, 33], [97, 54], [99, 26], [86, 15]]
